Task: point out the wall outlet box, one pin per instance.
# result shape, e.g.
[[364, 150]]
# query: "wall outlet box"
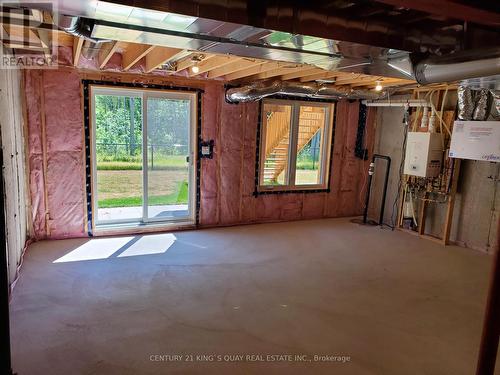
[[476, 140], [424, 154]]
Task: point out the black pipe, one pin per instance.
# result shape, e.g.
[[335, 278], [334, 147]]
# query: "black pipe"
[[371, 172], [5, 361]]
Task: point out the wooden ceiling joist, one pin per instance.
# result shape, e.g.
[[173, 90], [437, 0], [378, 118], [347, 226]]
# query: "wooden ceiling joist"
[[213, 63], [133, 53], [252, 70], [320, 75], [300, 73], [233, 67], [44, 36], [105, 53], [159, 56], [279, 71], [357, 79], [236, 69], [77, 50]]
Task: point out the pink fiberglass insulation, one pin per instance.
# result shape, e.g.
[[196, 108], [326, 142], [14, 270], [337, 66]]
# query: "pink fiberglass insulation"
[[208, 174], [66, 167], [227, 182], [64, 179]]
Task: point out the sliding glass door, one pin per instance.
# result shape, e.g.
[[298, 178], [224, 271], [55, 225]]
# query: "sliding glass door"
[[168, 153], [143, 155]]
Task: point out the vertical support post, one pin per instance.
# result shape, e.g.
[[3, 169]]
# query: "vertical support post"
[[5, 360], [451, 202], [132, 126]]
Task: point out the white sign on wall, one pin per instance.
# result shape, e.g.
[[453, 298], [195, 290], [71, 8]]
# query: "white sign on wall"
[[476, 140]]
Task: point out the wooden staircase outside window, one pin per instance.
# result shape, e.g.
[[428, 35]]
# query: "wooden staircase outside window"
[[311, 121]]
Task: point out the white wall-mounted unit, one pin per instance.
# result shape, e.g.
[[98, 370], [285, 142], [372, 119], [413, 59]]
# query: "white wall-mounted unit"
[[476, 140], [424, 154]]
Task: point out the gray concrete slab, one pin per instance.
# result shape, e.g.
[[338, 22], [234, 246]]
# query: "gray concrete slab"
[[394, 303]]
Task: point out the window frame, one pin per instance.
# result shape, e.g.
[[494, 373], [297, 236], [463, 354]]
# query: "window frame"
[[143, 92], [326, 147]]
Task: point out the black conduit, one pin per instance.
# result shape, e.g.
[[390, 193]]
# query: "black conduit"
[[368, 191]]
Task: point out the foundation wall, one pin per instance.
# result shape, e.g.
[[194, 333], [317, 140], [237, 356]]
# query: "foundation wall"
[[477, 204]]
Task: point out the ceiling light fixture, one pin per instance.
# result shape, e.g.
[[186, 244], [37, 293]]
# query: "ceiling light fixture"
[[196, 60], [379, 86]]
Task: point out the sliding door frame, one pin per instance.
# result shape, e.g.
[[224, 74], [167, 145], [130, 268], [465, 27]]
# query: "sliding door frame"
[[143, 93], [175, 95]]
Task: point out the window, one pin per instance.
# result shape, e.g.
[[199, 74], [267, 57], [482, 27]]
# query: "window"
[[295, 144]]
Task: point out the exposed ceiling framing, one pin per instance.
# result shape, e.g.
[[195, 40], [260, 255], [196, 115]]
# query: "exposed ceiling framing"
[[175, 61]]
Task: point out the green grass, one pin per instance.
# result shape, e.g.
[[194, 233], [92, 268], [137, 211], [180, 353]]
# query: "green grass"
[[178, 197], [307, 164], [169, 163]]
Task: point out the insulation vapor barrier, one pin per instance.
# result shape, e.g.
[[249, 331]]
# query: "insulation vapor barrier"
[[55, 153], [227, 182]]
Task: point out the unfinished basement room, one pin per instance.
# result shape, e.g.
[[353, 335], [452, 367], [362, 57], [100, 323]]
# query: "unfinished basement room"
[[250, 187]]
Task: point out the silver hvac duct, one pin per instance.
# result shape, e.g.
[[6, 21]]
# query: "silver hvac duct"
[[261, 89], [82, 28], [455, 67], [477, 105]]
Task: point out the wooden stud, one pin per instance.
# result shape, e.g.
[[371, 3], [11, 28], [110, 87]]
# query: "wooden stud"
[[133, 53], [77, 50], [44, 154], [451, 202], [159, 56]]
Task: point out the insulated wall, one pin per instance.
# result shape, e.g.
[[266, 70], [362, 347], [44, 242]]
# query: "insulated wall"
[[227, 182], [11, 123]]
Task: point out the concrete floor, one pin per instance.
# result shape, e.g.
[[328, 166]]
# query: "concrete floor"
[[394, 303]]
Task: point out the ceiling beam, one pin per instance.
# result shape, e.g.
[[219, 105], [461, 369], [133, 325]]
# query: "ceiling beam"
[[133, 53], [77, 50], [159, 56], [233, 67], [107, 50], [213, 63], [449, 9]]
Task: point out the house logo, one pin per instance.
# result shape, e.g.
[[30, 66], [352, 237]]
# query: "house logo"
[[28, 34]]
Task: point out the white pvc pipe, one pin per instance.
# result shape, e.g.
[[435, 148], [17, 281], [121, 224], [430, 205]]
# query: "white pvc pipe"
[[397, 103]]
